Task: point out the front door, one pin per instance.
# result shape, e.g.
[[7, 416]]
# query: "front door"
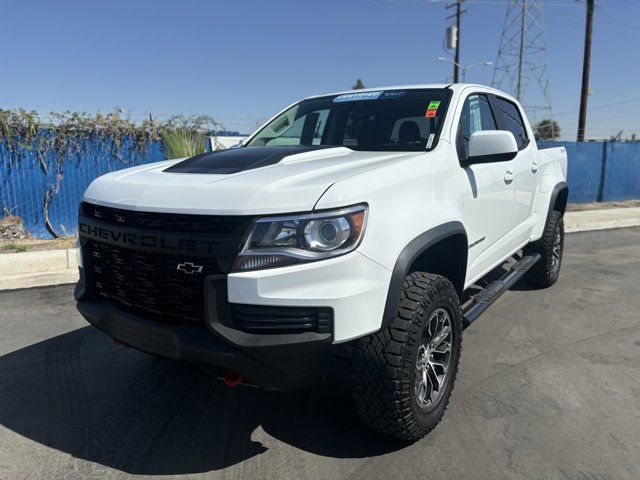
[[488, 202]]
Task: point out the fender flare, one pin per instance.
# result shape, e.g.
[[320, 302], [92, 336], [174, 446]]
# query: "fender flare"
[[557, 190], [407, 257]]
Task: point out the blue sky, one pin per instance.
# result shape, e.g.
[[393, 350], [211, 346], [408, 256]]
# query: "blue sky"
[[241, 61]]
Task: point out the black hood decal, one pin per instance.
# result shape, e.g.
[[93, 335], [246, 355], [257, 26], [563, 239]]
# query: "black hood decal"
[[236, 160]]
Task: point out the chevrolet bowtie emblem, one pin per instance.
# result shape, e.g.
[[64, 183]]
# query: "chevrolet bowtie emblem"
[[189, 268]]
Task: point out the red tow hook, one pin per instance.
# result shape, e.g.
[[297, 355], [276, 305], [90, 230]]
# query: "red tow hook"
[[232, 379], [116, 342]]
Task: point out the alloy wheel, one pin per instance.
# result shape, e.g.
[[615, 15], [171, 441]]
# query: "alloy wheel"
[[432, 363], [556, 251]]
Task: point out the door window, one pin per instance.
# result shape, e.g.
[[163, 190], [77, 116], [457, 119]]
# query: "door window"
[[476, 116], [512, 120]]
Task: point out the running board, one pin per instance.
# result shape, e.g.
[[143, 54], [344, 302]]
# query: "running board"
[[492, 292]]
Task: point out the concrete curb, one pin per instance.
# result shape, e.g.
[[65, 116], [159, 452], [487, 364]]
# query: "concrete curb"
[[38, 268], [56, 267], [604, 219]]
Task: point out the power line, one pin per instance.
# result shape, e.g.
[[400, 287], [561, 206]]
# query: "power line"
[[606, 22], [596, 28], [613, 117], [505, 2], [621, 102]]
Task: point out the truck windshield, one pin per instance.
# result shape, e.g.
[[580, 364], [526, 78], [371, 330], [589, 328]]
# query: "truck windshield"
[[382, 120]]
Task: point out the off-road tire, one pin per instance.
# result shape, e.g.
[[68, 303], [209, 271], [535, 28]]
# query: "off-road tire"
[[384, 363], [546, 272]]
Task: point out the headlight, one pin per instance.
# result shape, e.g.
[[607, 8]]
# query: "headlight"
[[291, 239]]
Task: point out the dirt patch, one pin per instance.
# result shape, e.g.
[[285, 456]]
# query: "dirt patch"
[[32, 245], [11, 228], [15, 238]]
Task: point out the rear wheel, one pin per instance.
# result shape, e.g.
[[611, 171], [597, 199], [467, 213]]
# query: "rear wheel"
[[550, 247], [403, 375]]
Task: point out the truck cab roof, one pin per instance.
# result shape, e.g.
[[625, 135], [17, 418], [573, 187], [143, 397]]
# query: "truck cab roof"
[[453, 86]]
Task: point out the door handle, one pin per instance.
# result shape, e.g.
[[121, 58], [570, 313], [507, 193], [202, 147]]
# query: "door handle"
[[534, 167], [508, 176]]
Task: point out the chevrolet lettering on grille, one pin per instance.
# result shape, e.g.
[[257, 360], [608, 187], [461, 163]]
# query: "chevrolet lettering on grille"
[[146, 239], [189, 268]]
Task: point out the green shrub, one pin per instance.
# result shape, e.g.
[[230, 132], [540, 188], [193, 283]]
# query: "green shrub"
[[182, 142], [65, 133], [14, 246]]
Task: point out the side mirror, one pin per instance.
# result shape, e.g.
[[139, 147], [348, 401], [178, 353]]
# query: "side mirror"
[[490, 146]]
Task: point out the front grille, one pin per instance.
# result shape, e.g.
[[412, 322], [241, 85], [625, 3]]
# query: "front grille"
[[275, 320], [177, 222], [149, 282], [146, 279]]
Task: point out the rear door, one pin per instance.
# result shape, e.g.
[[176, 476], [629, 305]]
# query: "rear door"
[[488, 202], [510, 117]]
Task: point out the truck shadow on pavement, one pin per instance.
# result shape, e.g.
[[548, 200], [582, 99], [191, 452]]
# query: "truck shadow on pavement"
[[120, 408]]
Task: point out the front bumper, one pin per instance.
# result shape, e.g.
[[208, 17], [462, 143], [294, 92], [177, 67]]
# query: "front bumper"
[[353, 287], [285, 364]]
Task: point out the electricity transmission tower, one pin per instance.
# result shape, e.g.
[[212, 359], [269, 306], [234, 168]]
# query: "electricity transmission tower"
[[522, 57]]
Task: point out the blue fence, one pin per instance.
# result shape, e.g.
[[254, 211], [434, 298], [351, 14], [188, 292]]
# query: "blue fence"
[[32, 183], [597, 172], [602, 171]]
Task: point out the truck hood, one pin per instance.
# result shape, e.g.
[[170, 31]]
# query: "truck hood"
[[244, 181]]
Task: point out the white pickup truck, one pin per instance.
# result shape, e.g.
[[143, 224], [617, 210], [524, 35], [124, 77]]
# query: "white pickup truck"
[[355, 226]]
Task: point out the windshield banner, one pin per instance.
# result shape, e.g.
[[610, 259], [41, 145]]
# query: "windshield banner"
[[353, 97]]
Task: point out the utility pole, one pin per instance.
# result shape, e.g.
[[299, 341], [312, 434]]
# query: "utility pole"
[[521, 53], [459, 12], [586, 68]]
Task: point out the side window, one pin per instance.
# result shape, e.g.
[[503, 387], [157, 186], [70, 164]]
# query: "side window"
[[512, 120], [476, 116]]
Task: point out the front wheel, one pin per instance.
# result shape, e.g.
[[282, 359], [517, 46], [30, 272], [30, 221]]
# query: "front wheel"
[[403, 375], [550, 247]]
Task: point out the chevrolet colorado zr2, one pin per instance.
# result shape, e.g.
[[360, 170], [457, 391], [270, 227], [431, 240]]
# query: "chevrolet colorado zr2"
[[350, 226]]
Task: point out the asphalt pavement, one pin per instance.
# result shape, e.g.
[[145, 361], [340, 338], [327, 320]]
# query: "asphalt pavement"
[[548, 388]]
